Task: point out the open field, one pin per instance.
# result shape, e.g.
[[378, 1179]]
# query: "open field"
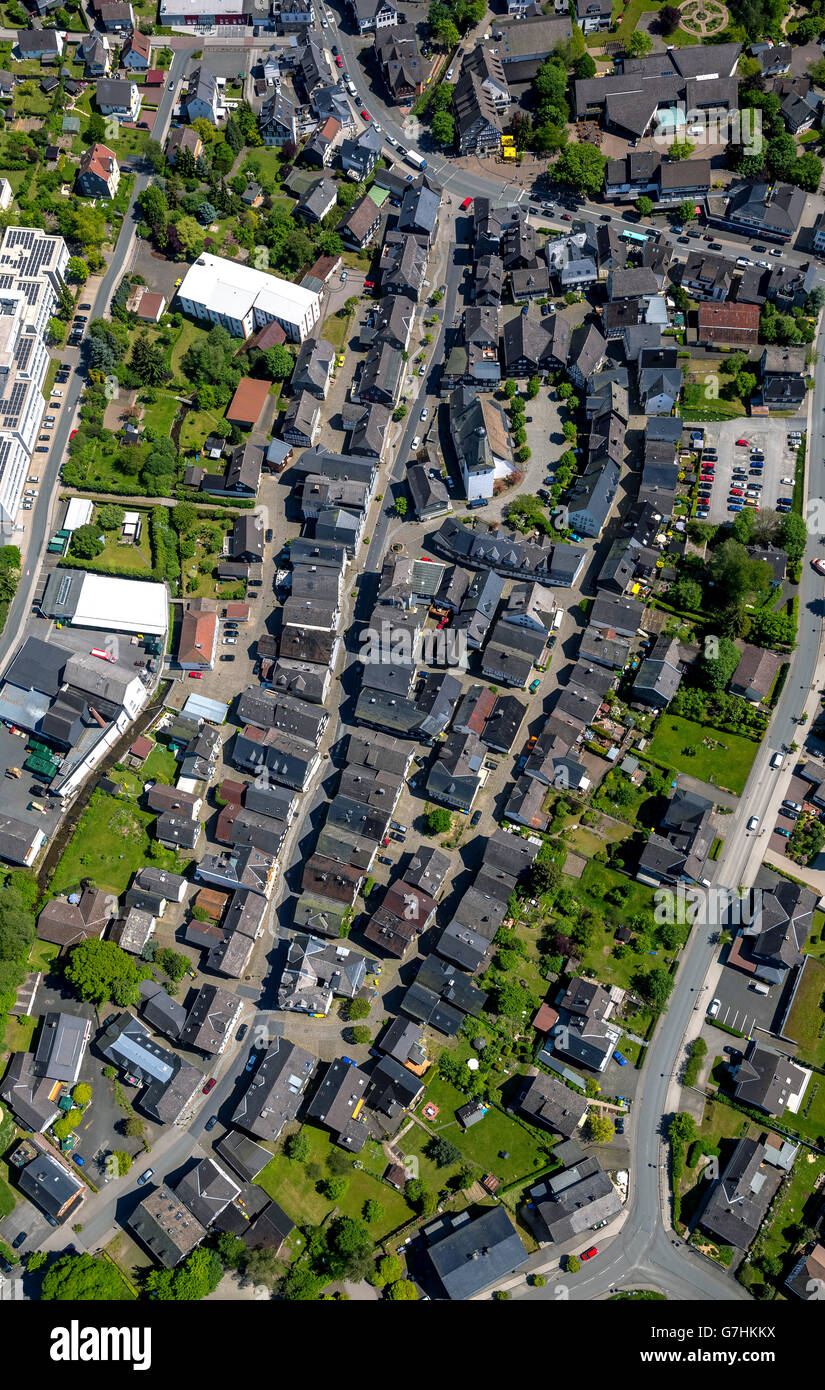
[[111, 842], [293, 1186], [682, 745], [806, 1021]]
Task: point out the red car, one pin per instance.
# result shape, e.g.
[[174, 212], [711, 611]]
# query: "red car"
[[365, 116], [73, 433], [369, 284], [565, 217], [210, 1083], [819, 566], [466, 204], [743, 443], [736, 492], [339, 61], [196, 675], [588, 1254]]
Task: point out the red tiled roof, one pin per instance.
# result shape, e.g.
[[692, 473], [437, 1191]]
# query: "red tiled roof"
[[248, 401]]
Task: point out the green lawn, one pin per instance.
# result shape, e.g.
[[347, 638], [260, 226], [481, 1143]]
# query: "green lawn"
[[116, 555], [190, 333], [334, 330], [18, 1035], [806, 1021], [8, 1200], [42, 954], [263, 167], [110, 843], [482, 1143], [293, 1188], [682, 745], [629, 803], [810, 1120], [197, 424], [596, 881], [790, 1210], [160, 766], [161, 414]]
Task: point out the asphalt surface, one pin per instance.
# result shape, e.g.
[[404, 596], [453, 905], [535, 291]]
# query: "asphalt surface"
[[40, 516], [645, 1252]]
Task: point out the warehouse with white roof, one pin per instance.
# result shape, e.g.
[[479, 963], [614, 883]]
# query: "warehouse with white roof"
[[102, 602], [242, 299]]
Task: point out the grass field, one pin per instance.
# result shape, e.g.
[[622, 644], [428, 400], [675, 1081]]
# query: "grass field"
[[197, 424], [110, 843], [42, 954], [682, 745], [790, 1210], [293, 1187], [482, 1144], [160, 415], [116, 555], [19, 1035], [189, 334], [806, 1021], [810, 1119]]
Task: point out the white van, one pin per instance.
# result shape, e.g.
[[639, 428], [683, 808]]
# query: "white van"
[[760, 988], [777, 760], [558, 619]]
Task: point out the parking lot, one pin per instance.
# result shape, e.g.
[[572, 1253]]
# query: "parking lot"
[[25, 1220], [777, 475], [741, 1007], [798, 791]]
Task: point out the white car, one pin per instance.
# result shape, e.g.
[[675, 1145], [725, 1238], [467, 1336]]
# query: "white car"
[[416, 444], [376, 126], [713, 1007], [450, 72], [424, 415], [324, 24], [392, 142], [230, 641], [344, 274], [753, 822], [786, 482], [56, 392]]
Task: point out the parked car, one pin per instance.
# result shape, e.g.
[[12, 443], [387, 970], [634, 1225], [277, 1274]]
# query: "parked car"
[[18, 1240], [196, 675], [242, 1032], [468, 202], [211, 1083], [753, 822], [144, 1177], [211, 1122], [385, 859], [475, 818], [786, 834], [622, 1060], [533, 686], [252, 1060], [713, 1007], [230, 656], [588, 1254]]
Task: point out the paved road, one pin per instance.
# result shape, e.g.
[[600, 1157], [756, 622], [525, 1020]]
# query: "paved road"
[[40, 516]]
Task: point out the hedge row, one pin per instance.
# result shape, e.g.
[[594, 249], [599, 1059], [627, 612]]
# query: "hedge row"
[[164, 542]]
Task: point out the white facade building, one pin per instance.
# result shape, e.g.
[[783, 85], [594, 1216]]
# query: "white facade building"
[[32, 267], [243, 300]]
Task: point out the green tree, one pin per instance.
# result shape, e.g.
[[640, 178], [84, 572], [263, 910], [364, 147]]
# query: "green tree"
[[279, 362], [400, 506], [437, 821], [82, 1278], [334, 1188], [638, 44], [685, 212], [110, 516], [297, 1147], [533, 388], [373, 1211], [601, 1127], [198, 1276], [794, 535], [172, 963], [82, 1094], [361, 1036], [682, 1128], [184, 517], [402, 1289], [148, 362], [687, 594], [124, 1161], [67, 1123], [572, 1264], [644, 206], [133, 1127], [77, 270], [86, 542], [581, 167], [387, 1271], [655, 987], [443, 1153], [443, 128], [101, 971], [717, 664]]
